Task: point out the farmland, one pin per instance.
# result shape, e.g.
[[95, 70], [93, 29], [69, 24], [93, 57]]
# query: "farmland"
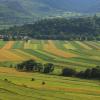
[[75, 54], [19, 86]]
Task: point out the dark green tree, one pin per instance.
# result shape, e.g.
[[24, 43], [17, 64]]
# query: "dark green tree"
[[49, 67]]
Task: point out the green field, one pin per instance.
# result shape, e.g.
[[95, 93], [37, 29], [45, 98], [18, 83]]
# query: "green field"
[[73, 54], [19, 86], [79, 55]]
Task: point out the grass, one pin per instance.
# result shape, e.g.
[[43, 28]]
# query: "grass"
[[18, 45], [77, 54], [19, 86], [2, 43]]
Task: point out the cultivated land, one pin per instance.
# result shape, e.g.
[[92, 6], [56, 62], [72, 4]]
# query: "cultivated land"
[[79, 55], [74, 54]]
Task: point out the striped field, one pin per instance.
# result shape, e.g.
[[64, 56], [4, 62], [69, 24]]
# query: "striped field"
[[79, 55], [74, 54], [20, 87]]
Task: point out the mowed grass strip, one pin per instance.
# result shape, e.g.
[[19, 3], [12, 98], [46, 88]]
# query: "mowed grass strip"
[[83, 45], [97, 46], [50, 47], [27, 44], [68, 45], [93, 46], [2, 43], [18, 45], [9, 55], [35, 44], [8, 45], [24, 54], [32, 54]]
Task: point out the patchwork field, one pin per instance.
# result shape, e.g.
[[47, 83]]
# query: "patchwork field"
[[76, 54], [16, 85]]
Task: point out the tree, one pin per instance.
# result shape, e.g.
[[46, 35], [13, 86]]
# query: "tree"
[[68, 72], [30, 65], [88, 73], [49, 67]]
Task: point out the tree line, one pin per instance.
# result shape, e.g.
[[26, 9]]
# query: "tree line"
[[83, 28], [34, 66], [90, 73]]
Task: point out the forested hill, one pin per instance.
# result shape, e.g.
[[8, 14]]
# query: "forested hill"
[[60, 28], [18, 12]]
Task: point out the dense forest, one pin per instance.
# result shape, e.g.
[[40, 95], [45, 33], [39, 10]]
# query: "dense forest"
[[84, 28]]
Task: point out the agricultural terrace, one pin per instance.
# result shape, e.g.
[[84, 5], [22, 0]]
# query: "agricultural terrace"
[[76, 54]]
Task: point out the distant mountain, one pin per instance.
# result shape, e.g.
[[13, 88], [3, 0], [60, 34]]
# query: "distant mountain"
[[23, 11]]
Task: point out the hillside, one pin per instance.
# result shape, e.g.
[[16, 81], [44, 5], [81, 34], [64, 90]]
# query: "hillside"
[[24, 11], [18, 12], [75, 54]]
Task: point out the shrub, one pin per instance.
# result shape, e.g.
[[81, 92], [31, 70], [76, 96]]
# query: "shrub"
[[43, 83], [68, 72], [49, 67], [32, 79]]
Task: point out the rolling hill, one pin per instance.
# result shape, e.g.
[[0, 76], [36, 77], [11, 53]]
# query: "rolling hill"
[[24, 11]]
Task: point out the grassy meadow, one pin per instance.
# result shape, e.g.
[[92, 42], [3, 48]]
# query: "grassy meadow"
[[75, 54]]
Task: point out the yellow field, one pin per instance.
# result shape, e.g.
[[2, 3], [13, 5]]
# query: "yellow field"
[[8, 55]]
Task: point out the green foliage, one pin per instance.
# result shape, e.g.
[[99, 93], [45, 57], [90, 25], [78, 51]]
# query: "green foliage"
[[86, 28], [49, 67], [29, 65], [90, 73], [68, 72], [32, 65], [93, 73]]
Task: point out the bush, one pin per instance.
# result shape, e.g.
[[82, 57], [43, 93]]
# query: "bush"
[[68, 72], [43, 83], [90, 73], [6, 80], [32, 79], [49, 67]]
